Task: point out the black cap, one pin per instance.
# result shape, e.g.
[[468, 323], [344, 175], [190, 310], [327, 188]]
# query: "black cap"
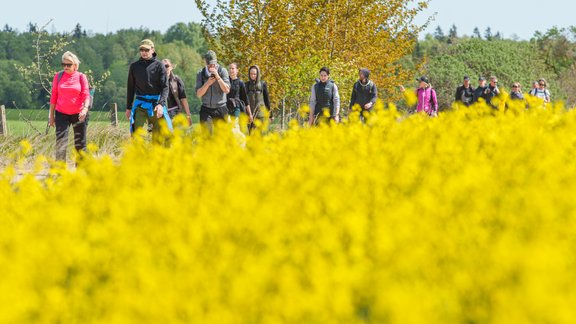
[[466, 78], [481, 78], [423, 79]]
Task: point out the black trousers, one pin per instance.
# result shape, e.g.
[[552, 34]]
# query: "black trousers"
[[208, 114], [63, 123]]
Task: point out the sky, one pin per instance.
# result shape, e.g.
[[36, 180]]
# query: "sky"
[[514, 19]]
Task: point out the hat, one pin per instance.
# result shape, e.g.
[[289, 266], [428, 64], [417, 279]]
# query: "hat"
[[146, 44], [481, 78], [210, 57], [423, 79], [466, 78]]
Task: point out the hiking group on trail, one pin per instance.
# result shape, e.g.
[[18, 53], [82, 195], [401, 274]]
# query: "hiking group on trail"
[[155, 96]]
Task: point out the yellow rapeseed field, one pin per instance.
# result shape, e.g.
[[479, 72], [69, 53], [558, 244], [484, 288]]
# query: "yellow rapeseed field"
[[465, 218]]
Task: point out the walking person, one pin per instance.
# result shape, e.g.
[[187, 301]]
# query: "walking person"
[[492, 92], [465, 92], [481, 91], [542, 91], [516, 92], [177, 101], [258, 98], [237, 98], [324, 95], [69, 105], [427, 100], [212, 85], [148, 81], [516, 97], [364, 93]]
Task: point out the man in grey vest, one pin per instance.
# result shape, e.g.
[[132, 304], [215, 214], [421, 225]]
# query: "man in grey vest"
[[212, 85], [324, 95]]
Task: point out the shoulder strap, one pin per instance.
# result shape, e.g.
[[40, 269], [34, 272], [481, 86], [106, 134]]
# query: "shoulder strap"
[[60, 74]]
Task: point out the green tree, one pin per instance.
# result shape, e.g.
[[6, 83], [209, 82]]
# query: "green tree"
[[345, 35]]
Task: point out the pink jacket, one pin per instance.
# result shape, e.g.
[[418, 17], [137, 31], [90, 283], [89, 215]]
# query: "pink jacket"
[[70, 93], [427, 100]]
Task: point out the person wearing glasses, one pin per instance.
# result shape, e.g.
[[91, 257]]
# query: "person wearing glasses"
[[493, 91], [541, 91], [177, 95], [148, 82], [69, 105], [516, 92]]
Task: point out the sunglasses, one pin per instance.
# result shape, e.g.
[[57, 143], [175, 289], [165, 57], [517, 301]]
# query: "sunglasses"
[[145, 50], [67, 64], [514, 86], [166, 65], [542, 84]]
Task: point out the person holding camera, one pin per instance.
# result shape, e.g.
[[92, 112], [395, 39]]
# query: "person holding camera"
[[212, 85]]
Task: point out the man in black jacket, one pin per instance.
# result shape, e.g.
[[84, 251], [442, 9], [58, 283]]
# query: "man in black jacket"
[[364, 93], [465, 92], [148, 80]]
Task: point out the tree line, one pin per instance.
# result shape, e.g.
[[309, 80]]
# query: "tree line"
[[106, 55], [446, 59], [290, 50]]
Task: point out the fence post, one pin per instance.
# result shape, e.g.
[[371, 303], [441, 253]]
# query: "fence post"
[[3, 126], [114, 115]]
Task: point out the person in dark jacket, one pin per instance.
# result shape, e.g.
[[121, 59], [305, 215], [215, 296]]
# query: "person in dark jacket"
[[324, 94], [493, 91], [482, 90], [465, 92], [148, 81], [364, 93], [212, 85], [177, 101], [237, 99], [257, 91]]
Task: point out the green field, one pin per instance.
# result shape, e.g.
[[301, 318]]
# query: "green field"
[[30, 122]]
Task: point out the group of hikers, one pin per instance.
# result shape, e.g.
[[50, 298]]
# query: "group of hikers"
[[467, 95], [155, 95]]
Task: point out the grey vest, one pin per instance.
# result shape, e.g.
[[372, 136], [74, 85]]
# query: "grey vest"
[[324, 96]]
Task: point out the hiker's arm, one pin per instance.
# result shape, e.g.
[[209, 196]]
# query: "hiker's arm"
[[266, 96], [312, 104], [374, 94], [336, 103], [165, 86], [184, 102], [51, 118], [223, 81], [244, 97], [85, 95]]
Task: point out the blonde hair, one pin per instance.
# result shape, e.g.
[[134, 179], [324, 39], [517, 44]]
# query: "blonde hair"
[[71, 57]]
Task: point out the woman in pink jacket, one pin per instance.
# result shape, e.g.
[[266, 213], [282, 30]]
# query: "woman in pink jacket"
[[69, 105], [427, 101]]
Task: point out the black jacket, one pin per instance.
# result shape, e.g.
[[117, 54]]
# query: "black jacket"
[[363, 94], [465, 95], [147, 77]]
